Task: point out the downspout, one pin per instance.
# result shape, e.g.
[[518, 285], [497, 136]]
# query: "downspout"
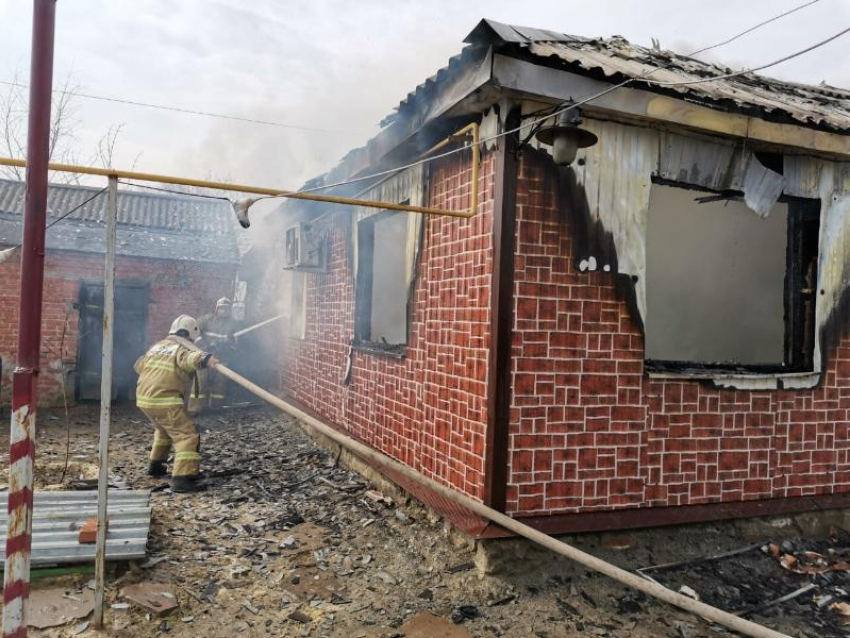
[[499, 392]]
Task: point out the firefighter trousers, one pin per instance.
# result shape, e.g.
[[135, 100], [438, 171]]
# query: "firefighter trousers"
[[173, 427], [212, 389]]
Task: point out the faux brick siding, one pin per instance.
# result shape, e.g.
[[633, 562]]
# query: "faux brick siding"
[[176, 287], [589, 431], [429, 408]]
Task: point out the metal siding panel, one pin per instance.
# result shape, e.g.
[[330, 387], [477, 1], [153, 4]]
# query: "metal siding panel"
[[616, 177], [57, 517]]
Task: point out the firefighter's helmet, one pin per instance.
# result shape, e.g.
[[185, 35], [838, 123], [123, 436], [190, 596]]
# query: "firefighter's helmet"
[[187, 323], [224, 302]]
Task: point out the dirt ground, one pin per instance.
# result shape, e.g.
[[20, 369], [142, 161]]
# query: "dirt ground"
[[287, 543]]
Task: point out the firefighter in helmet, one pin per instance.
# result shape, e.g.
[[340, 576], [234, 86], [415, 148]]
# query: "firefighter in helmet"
[[164, 373], [217, 337]]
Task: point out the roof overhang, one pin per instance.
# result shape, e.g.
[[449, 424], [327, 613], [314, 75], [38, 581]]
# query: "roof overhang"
[[543, 82], [495, 66]]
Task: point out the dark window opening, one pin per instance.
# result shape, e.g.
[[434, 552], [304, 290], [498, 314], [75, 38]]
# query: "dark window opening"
[[382, 283], [725, 289]]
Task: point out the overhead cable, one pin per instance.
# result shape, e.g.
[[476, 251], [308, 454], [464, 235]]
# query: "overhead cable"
[[584, 100], [177, 109]]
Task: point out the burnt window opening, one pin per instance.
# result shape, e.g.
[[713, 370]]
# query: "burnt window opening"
[[296, 309], [381, 307], [726, 290]]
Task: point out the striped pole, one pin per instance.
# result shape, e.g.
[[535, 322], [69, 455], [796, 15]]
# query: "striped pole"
[[24, 381]]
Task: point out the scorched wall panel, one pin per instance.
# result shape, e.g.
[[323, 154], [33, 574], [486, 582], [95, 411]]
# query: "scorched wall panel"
[[589, 431]]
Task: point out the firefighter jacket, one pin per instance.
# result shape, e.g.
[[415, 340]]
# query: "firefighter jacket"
[[217, 334], [164, 373]]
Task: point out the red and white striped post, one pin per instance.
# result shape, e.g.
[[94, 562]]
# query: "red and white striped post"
[[24, 396]]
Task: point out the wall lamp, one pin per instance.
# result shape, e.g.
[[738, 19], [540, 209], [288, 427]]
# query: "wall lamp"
[[566, 137]]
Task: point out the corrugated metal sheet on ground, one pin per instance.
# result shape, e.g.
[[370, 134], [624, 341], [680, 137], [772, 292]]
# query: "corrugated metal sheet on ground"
[[58, 517]]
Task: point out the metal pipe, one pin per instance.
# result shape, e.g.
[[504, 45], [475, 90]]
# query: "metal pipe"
[[746, 627], [24, 390], [277, 192], [245, 331], [105, 399]]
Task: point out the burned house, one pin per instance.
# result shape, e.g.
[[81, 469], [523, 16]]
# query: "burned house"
[[175, 254], [655, 333]]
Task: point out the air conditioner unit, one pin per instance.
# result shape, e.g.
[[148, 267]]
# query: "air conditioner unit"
[[303, 249]]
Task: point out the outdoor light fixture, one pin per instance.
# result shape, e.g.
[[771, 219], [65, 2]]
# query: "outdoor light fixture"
[[566, 137]]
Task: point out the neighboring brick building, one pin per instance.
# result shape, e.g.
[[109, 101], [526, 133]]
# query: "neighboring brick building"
[[175, 255], [654, 334]]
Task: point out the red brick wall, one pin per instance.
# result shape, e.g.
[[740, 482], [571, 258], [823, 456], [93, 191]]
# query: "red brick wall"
[[429, 408], [176, 287], [590, 431]]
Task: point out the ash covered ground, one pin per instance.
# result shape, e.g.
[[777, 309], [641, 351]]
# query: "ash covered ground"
[[285, 542]]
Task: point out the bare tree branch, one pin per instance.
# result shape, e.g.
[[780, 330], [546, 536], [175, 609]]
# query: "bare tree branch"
[[63, 140]]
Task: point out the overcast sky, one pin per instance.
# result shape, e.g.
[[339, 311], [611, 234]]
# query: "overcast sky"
[[339, 65]]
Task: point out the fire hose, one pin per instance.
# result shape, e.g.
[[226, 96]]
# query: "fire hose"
[[713, 614]]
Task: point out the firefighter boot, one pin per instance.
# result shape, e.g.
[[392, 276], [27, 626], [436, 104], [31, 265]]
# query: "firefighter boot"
[[186, 484], [157, 469]]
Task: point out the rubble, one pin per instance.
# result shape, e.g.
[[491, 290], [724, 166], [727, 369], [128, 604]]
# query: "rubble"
[[152, 597], [255, 556], [56, 606]]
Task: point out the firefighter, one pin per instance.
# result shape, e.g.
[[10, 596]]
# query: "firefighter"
[[217, 334], [164, 373]]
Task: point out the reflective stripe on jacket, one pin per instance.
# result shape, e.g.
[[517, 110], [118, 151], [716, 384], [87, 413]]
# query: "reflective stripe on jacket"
[[164, 372]]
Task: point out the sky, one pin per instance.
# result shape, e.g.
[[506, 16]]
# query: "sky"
[[338, 66]]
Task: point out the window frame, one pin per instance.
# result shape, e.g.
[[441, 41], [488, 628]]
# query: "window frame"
[[802, 243], [365, 238]]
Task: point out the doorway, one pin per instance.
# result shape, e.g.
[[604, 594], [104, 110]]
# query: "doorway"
[[130, 339]]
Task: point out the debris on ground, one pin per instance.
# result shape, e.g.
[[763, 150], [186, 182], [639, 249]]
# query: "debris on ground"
[[154, 598], [287, 542], [427, 625], [58, 606], [809, 578]]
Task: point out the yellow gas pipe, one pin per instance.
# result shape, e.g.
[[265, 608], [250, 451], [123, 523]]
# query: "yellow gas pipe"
[[276, 192]]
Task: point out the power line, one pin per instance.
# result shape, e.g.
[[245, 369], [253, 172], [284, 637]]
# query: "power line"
[[754, 27], [4, 254], [590, 98], [756, 68], [77, 207], [177, 109]]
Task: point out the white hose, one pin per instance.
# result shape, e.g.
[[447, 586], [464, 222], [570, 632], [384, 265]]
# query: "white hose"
[[741, 625]]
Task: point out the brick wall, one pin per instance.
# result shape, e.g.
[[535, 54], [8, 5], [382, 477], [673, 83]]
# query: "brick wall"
[[429, 408], [176, 288], [589, 431]]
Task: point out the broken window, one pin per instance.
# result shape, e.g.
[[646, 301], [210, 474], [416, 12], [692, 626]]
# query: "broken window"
[[384, 265], [294, 304], [727, 289]]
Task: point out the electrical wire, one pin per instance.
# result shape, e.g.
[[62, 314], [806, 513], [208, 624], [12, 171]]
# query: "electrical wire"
[[76, 208], [756, 68], [59, 219], [177, 109], [589, 98], [173, 191], [753, 28]]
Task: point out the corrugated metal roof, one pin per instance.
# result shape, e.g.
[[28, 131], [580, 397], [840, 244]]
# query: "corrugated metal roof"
[[58, 517], [150, 210], [617, 59], [149, 225]]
